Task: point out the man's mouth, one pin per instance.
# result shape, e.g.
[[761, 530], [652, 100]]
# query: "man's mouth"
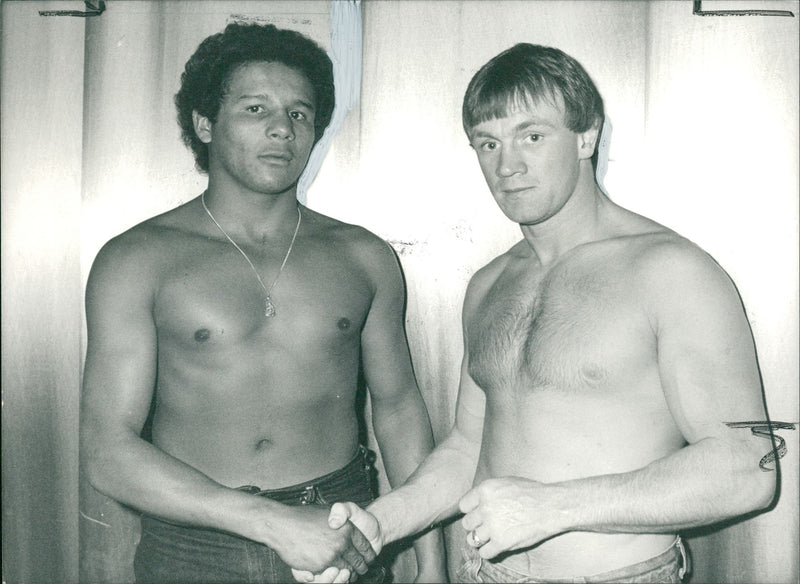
[[277, 157], [516, 190]]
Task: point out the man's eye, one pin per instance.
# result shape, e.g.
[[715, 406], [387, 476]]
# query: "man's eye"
[[254, 109], [298, 115], [534, 137], [488, 146]]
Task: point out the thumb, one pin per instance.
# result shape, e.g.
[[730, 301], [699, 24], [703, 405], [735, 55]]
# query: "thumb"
[[302, 575], [339, 515]]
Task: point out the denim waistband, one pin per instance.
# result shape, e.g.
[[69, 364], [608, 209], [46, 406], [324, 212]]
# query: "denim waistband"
[[308, 492], [674, 560]]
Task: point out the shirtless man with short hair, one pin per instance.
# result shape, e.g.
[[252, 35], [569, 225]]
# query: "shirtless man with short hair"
[[247, 316], [605, 356]]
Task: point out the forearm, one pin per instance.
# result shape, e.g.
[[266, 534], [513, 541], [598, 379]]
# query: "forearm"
[[405, 439], [701, 484], [404, 435], [432, 492], [138, 474], [430, 551]]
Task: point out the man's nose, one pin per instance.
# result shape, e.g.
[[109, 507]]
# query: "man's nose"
[[510, 163], [280, 127]]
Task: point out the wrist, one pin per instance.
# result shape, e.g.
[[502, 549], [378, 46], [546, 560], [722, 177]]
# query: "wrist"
[[254, 518], [568, 501], [379, 510]]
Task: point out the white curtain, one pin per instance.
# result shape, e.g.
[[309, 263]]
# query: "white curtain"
[[705, 140]]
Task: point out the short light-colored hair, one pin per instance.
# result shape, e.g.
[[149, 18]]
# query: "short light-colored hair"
[[525, 74]]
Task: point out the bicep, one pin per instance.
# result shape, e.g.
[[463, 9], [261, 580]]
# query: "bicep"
[[470, 407], [384, 348], [706, 355], [120, 368], [471, 401]]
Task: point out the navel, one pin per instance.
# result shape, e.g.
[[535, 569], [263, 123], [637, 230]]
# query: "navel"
[[263, 444], [202, 335]]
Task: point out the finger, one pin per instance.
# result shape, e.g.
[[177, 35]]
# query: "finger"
[[469, 501], [363, 545], [339, 515], [477, 538], [356, 560], [329, 575], [302, 575], [368, 525], [360, 553], [471, 521], [490, 550], [344, 576]]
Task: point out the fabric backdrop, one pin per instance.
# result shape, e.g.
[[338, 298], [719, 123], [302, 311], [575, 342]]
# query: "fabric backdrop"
[[704, 112]]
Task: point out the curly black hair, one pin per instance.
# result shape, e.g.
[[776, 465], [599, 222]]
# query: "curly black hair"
[[208, 71]]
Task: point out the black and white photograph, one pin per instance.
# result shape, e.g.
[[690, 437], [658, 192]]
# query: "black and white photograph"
[[400, 291]]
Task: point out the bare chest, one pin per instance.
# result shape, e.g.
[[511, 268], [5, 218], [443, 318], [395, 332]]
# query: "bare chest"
[[579, 327], [211, 300]]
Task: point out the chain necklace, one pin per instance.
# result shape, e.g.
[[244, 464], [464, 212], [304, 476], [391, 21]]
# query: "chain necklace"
[[269, 307]]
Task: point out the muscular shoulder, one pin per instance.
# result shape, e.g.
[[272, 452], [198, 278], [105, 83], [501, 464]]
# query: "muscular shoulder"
[[132, 259], [483, 280], [674, 273], [667, 257], [368, 252]]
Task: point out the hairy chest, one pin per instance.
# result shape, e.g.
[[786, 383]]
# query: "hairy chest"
[[579, 327]]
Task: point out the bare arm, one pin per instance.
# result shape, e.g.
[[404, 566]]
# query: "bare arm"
[[430, 495], [119, 377], [707, 365], [399, 416], [432, 492]]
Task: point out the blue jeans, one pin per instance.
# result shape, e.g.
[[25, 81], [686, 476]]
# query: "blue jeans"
[[669, 567], [180, 554]]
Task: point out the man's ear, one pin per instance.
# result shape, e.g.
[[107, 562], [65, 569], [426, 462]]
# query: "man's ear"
[[202, 127], [587, 141]]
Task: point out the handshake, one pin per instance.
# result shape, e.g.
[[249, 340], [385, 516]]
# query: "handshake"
[[366, 523], [499, 515]]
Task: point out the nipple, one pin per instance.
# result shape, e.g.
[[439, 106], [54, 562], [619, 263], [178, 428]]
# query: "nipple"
[[343, 324], [202, 335]]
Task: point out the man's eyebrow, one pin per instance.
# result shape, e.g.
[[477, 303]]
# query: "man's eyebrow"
[[262, 96], [479, 134], [522, 126], [533, 122]]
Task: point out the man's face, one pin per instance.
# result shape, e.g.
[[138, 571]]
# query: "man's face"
[[264, 130], [530, 160]]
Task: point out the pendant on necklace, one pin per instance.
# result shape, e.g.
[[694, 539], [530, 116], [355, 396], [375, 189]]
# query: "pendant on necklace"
[[269, 308]]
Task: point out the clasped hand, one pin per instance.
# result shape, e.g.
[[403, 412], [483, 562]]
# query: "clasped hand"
[[347, 516], [312, 543], [508, 513]]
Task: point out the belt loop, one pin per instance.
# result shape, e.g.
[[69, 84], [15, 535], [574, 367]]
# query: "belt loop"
[[368, 458], [685, 568], [310, 495]]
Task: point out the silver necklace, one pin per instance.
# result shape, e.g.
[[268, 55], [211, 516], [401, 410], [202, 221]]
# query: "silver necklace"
[[269, 307]]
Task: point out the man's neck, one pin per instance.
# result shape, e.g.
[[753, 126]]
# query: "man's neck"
[[252, 216], [580, 221]]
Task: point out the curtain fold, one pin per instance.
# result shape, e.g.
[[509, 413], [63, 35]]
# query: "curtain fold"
[[705, 120], [42, 82], [678, 89]]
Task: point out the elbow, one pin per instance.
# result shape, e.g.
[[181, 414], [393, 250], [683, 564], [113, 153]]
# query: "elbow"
[[94, 465], [764, 489], [92, 469], [757, 489]]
